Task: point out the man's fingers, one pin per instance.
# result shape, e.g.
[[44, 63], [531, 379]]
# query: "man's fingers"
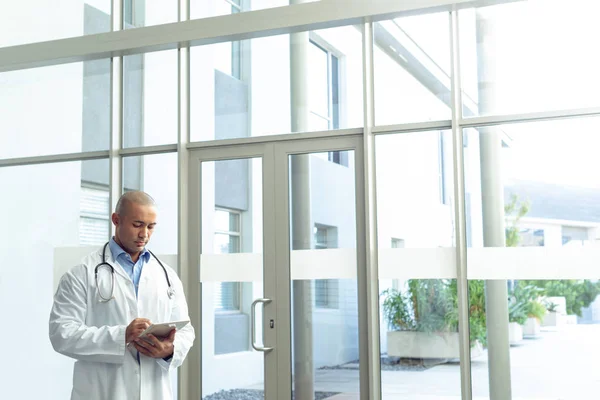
[[153, 339], [171, 336], [142, 349]]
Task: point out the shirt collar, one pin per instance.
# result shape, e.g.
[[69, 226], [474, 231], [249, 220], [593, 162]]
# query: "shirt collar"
[[117, 251]]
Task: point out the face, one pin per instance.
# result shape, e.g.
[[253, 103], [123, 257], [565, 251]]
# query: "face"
[[134, 227]]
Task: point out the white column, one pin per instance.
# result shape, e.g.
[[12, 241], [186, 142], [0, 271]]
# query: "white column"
[[492, 193], [301, 219]]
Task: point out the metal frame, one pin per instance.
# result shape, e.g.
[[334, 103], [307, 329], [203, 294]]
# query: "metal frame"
[[253, 24], [459, 214], [239, 26], [193, 365]]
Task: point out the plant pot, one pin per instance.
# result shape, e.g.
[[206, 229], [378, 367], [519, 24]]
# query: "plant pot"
[[550, 319], [410, 344], [531, 327], [515, 333]]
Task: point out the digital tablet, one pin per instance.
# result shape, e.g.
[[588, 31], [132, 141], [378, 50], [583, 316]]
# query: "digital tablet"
[[163, 330]]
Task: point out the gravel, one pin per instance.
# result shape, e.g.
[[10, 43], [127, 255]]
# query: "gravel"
[[395, 364], [247, 394]]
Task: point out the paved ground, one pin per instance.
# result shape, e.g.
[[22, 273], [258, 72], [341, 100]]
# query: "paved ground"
[[561, 364]]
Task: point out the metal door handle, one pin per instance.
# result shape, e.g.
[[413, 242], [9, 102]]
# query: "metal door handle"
[[253, 323]]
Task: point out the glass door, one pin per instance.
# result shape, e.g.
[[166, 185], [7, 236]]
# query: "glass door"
[[235, 310], [318, 252], [275, 234]]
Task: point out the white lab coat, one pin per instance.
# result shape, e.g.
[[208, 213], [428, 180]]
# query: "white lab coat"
[[93, 332]]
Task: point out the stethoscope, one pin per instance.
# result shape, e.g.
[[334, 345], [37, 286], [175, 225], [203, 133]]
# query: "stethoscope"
[[170, 290]]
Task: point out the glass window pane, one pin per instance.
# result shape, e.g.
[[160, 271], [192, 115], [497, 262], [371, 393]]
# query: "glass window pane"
[[318, 78], [532, 230], [231, 276], [412, 69], [324, 287], [150, 100], [508, 67], [55, 110], [157, 175], [23, 22], [417, 270], [259, 100], [44, 212], [211, 8], [138, 13]]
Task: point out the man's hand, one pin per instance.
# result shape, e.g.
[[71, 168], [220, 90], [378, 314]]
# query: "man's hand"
[[153, 347], [135, 328]]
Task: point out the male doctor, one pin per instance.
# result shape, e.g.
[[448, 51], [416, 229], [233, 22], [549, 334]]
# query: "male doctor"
[[97, 319]]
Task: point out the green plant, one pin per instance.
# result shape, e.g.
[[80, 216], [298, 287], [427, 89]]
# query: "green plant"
[[536, 310], [523, 303], [551, 306], [517, 209], [431, 305], [577, 293], [423, 307]]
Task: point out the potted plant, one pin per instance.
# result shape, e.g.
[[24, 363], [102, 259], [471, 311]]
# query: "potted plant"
[[551, 317], [516, 319], [535, 314], [422, 320], [525, 310]]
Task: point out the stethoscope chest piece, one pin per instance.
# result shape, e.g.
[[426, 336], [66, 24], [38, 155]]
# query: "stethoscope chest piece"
[[170, 292]]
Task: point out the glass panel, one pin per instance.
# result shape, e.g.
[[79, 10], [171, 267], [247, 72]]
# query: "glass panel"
[[55, 110], [318, 78], [231, 276], [417, 273], [257, 99], [324, 286], [45, 227], [138, 13], [540, 199], [150, 99], [412, 69], [212, 8], [23, 22], [157, 175], [510, 68]]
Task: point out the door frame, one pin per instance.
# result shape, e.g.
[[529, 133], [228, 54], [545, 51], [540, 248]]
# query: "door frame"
[[276, 253], [282, 211]]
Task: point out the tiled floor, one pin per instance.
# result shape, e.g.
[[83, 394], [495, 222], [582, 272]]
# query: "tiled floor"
[[561, 364]]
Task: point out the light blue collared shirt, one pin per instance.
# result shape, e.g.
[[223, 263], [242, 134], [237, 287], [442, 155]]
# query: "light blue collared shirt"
[[134, 270]]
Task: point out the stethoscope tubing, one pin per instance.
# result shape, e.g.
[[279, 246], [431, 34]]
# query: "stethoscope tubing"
[[170, 290]]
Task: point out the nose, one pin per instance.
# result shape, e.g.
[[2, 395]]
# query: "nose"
[[143, 233]]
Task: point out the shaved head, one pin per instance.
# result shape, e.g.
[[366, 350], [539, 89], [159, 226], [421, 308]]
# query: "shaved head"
[[135, 197]]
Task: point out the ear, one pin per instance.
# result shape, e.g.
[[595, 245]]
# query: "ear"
[[115, 219]]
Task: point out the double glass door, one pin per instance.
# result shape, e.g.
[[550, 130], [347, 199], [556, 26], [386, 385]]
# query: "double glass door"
[[274, 234]]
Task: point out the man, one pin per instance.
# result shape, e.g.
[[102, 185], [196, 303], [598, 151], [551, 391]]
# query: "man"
[[103, 305]]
